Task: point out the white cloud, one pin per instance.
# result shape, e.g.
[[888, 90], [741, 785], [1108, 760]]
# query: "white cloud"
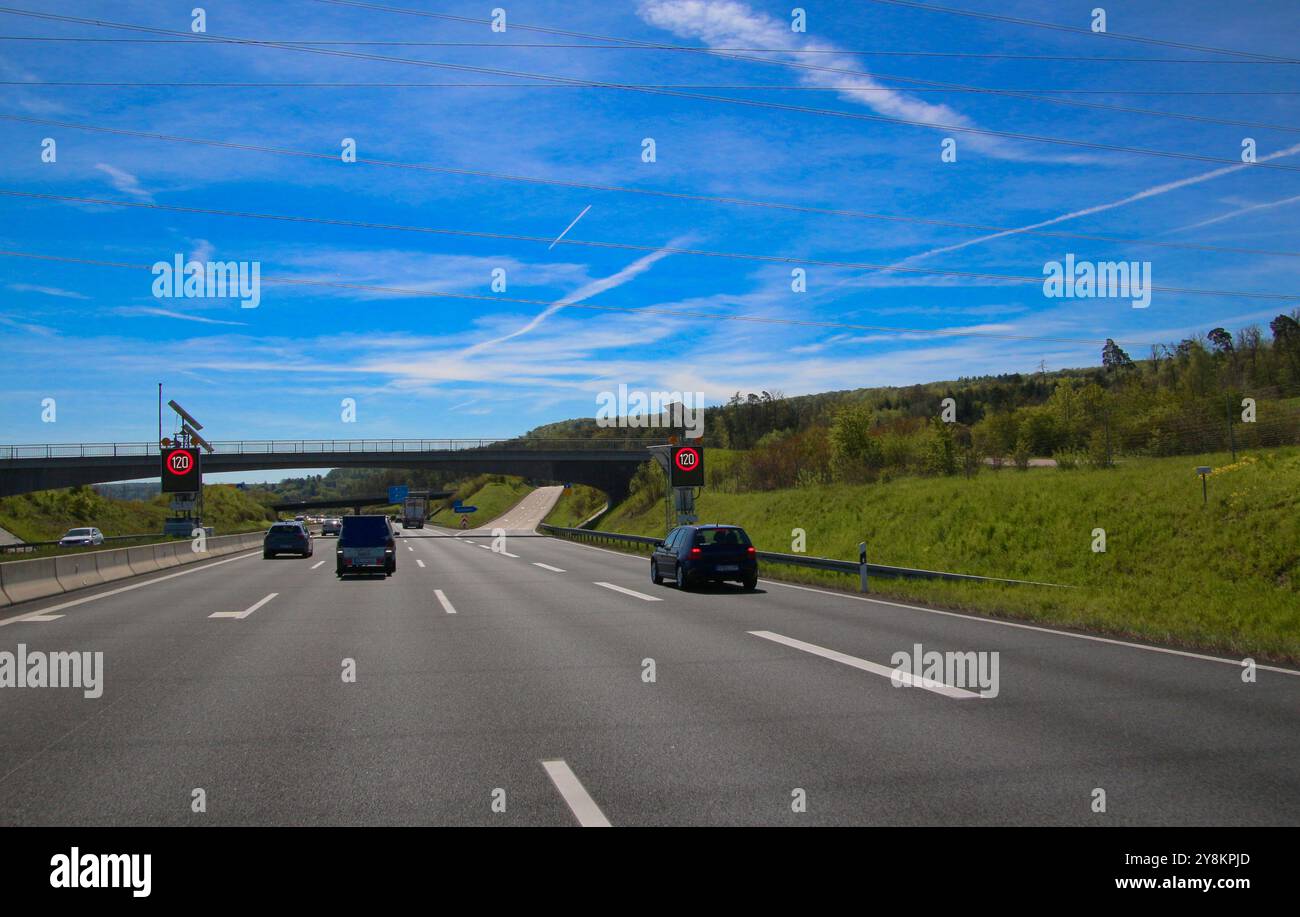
[[124, 181], [48, 291]]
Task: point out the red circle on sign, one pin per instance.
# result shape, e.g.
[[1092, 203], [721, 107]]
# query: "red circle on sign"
[[179, 462], [687, 459]]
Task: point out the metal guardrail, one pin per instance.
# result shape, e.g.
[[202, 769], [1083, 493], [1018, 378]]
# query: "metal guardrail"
[[22, 547], [803, 560], [292, 446]]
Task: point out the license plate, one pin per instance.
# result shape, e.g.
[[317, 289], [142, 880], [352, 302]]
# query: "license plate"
[[366, 557], [728, 568]]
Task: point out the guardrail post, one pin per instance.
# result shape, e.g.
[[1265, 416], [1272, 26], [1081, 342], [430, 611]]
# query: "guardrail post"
[[862, 567]]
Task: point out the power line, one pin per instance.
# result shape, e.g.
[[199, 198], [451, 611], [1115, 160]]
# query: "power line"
[[635, 310], [647, 192], [594, 243], [652, 46], [751, 103], [912, 81], [1118, 36], [318, 84]]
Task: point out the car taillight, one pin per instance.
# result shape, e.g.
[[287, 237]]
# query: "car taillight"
[[750, 550], [695, 551]]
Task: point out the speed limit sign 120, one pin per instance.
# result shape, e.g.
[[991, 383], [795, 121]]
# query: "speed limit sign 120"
[[687, 468], [180, 471]]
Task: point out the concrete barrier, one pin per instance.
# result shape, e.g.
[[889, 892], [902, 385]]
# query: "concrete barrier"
[[141, 559], [24, 580], [76, 571], [165, 554], [113, 565]]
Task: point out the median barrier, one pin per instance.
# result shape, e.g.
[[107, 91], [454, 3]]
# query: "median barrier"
[[165, 554], [24, 580], [141, 559], [113, 565], [76, 571]]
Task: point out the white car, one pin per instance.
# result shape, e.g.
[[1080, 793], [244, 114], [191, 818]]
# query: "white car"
[[331, 526], [79, 538]]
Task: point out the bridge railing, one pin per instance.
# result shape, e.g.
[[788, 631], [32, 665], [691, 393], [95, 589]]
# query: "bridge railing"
[[303, 446]]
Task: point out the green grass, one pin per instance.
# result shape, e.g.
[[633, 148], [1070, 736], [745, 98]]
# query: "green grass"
[[47, 515], [575, 506], [1223, 576], [492, 495]]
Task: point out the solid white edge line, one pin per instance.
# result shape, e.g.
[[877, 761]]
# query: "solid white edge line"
[[874, 668], [446, 605], [121, 589], [632, 592], [43, 618], [575, 795], [983, 620]]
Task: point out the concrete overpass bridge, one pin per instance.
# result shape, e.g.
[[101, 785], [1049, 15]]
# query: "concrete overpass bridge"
[[604, 464]]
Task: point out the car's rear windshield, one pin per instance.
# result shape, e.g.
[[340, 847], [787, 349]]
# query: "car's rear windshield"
[[709, 537], [286, 529], [78, 531], [364, 530]]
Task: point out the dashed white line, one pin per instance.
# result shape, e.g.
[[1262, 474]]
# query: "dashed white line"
[[246, 612], [446, 605], [575, 795], [548, 567], [883, 671], [317, 564], [420, 562], [631, 592]]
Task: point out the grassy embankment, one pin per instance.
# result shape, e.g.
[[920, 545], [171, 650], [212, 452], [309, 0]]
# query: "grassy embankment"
[[492, 494], [575, 506], [1223, 576], [47, 515]]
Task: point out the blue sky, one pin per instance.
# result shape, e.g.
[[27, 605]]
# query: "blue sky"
[[98, 341]]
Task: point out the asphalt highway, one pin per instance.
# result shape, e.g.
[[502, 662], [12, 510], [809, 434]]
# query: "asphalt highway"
[[514, 688]]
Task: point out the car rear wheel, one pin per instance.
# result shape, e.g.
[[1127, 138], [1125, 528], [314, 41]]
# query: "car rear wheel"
[[654, 574], [750, 583], [682, 582], [267, 555]]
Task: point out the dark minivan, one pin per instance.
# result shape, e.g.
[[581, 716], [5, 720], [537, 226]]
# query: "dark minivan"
[[694, 554], [287, 538], [366, 545]]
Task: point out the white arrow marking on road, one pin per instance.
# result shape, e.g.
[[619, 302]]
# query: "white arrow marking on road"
[[548, 567], [446, 605], [246, 612], [883, 671], [631, 592], [580, 803]]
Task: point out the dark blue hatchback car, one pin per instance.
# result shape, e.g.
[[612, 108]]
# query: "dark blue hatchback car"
[[693, 554]]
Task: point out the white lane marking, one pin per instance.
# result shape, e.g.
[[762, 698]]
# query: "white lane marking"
[[1041, 630], [121, 589], [883, 671], [246, 612], [468, 541], [409, 548], [631, 592], [548, 567], [575, 795], [446, 605], [42, 617], [974, 618], [420, 562], [317, 564], [508, 554], [486, 547]]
